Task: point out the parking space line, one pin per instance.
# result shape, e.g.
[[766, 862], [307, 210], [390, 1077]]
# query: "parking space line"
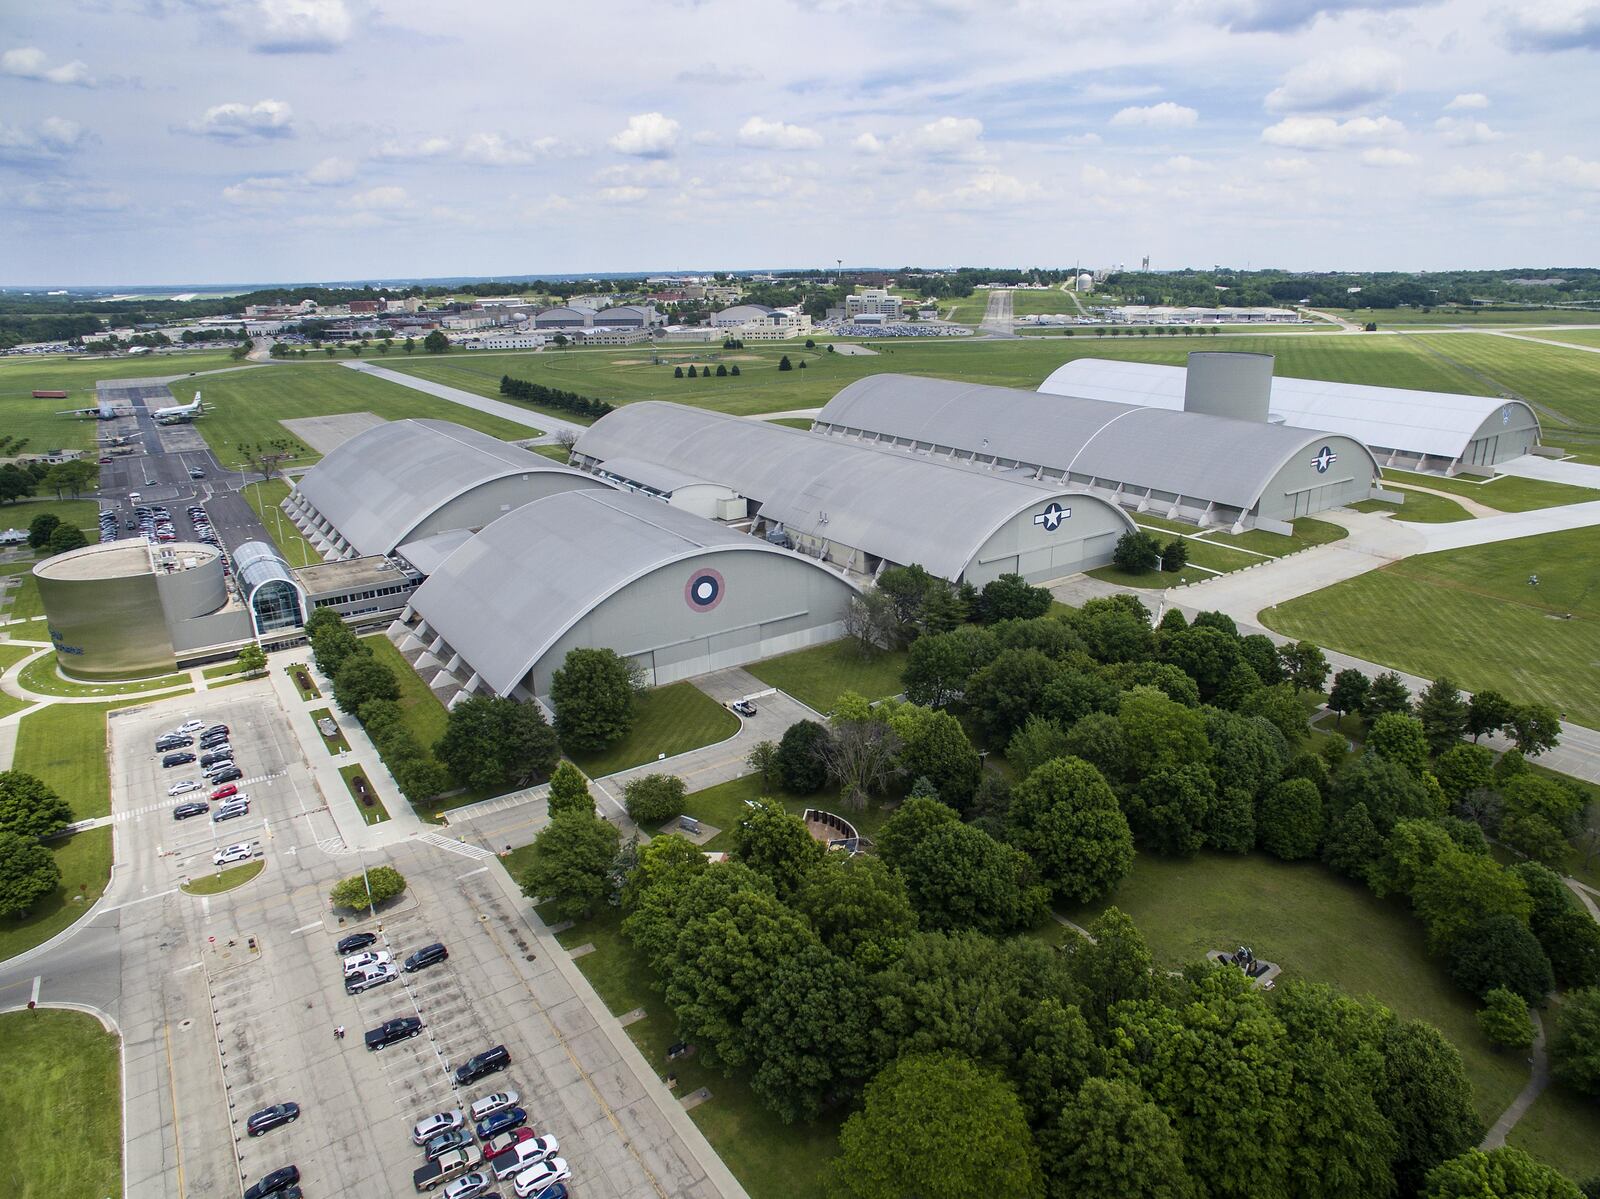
[[305, 928]]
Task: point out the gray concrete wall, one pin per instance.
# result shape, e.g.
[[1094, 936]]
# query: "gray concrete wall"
[[1080, 542], [1299, 489], [770, 603], [1512, 431], [107, 627]]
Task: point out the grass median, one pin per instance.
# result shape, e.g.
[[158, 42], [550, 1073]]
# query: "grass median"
[[61, 1074], [667, 720], [370, 804], [224, 880]]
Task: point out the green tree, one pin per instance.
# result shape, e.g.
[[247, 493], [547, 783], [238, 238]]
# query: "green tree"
[[252, 660], [1290, 824], [1004, 693], [1066, 816], [958, 876], [1247, 753], [1175, 555], [898, 1145], [1504, 1173], [64, 539], [1280, 707], [1386, 695], [1443, 713], [771, 841], [363, 678], [1110, 1141], [654, 799], [1459, 889], [1463, 769], [784, 364], [492, 743], [1204, 653], [1035, 743], [1170, 808], [1306, 665], [435, 343], [1160, 734], [1499, 951], [1534, 727], [1504, 1020], [859, 909], [1056, 1054], [1112, 965], [359, 892], [40, 528], [934, 746], [421, 778], [1427, 1100], [1116, 629], [593, 694], [1349, 691], [1399, 739], [1233, 821], [802, 757], [569, 792], [410, 345], [1389, 792], [332, 644], [1011, 597], [1136, 553], [30, 808], [571, 867], [1487, 711], [28, 873], [1575, 1045]]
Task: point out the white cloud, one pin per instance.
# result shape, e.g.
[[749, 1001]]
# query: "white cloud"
[[1461, 132], [298, 26], [59, 195], [1477, 182], [947, 137], [648, 135], [1110, 93], [1287, 16], [1386, 156], [1081, 139], [331, 171], [867, 143], [986, 190], [263, 191], [656, 173], [51, 138], [763, 134], [1182, 164], [497, 150], [246, 122], [1325, 133], [712, 75], [378, 198], [1548, 25], [622, 195], [1570, 171], [30, 62], [1103, 182], [413, 151], [1468, 100], [1165, 115], [1288, 168], [1338, 82]]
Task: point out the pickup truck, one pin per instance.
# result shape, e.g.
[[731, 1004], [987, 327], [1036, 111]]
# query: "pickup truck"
[[445, 1167]]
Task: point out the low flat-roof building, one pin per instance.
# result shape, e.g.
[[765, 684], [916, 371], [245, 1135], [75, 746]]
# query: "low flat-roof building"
[[360, 588]]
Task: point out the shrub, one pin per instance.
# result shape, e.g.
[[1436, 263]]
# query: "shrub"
[[1504, 1019], [654, 799], [385, 883]]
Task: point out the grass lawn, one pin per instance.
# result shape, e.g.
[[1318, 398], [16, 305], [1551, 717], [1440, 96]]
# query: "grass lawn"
[[1308, 531], [65, 745], [1471, 614], [85, 861], [25, 601], [818, 676], [373, 812], [303, 682], [772, 1159], [83, 513], [60, 1070], [41, 675], [1219, 558], [1317, 926], [667, 720], [226, 670], [1027, 302], [246, 408], [1151, 579], [335, 744], [224, 880], [723, 806], [39, 421], [556, 453], [1419, 508], [1561, 1128], [424, 716], [265, 498], [1507, 493], [1567, 381]]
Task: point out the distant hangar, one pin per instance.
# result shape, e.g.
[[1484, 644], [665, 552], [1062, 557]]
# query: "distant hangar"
[[1216, 461], [1413, 430]]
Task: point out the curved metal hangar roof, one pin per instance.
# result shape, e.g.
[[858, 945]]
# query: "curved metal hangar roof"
[[511, 594], [381, 486], [894, 505], [1440, 424], [1189, 453]]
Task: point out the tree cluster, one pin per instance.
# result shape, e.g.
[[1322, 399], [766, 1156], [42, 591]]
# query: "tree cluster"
[[551, 397], [30, 813], [361, 892]]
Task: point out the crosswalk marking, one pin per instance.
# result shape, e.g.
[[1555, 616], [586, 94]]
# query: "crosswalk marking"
[[476, 852]]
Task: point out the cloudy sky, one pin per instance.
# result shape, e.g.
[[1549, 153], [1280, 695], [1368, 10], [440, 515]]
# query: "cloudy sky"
[[192, 141]]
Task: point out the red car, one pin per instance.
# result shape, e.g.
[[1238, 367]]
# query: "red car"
[[105, 462], [497, 1145], [224, 792]]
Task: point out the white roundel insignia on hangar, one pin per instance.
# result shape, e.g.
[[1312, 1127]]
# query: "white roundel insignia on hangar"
[[703, 591]]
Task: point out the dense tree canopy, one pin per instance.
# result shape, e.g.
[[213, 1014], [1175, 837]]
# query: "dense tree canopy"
[[592, 694], [30, 808], [1066, 816]]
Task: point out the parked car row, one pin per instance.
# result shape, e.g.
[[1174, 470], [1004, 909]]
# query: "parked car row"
[[365, 968], [511, 1148], [202, 527], [220, 770]]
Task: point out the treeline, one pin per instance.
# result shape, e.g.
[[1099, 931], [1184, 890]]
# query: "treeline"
[[1375, 290], [550, 397], [22, 330]]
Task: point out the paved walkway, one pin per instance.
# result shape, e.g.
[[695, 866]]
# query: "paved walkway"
[[1552, 470], [1472, 506], [536, 421], [1538, 1080]]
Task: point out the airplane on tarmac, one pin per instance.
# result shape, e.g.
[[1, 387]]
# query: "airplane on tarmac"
[[179, 413]]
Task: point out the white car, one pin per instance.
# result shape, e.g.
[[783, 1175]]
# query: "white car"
[[482, 1109], [469, 1186], [370, 957], [439, 1122], [184, 787], [545, 1174], [524, 1155], [242, 852], [190, 726]]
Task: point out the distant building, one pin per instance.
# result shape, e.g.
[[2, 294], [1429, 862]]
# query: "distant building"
[[740, 314], [564, 318], [628, 316], [872, 301]]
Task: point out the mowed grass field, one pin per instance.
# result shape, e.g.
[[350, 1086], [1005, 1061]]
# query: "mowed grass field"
[[818, 676], [1320, 928], [1576, 337], [1468, 318], [1505, 493], [1039, 303], [1472, 614], [265, 499], [60, 1072], [666, 720], [1567, 381], [246, 408], [23, 416]]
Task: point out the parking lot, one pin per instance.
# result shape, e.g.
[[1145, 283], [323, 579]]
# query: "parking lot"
[[259, 966]]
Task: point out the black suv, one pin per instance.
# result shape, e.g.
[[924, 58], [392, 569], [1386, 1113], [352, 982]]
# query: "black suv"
[[489, 1061], [428, 955], [392, 1031], [216, 730], [173, 741], [271, 1184], [222, 774], [185, 810], [207, 761], [171, 760], [354, 942]]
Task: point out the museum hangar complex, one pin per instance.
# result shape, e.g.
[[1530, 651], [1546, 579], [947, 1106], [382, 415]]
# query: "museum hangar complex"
[[689, 540]]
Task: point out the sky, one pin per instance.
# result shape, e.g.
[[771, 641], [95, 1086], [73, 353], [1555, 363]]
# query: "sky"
[[218, 141]]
